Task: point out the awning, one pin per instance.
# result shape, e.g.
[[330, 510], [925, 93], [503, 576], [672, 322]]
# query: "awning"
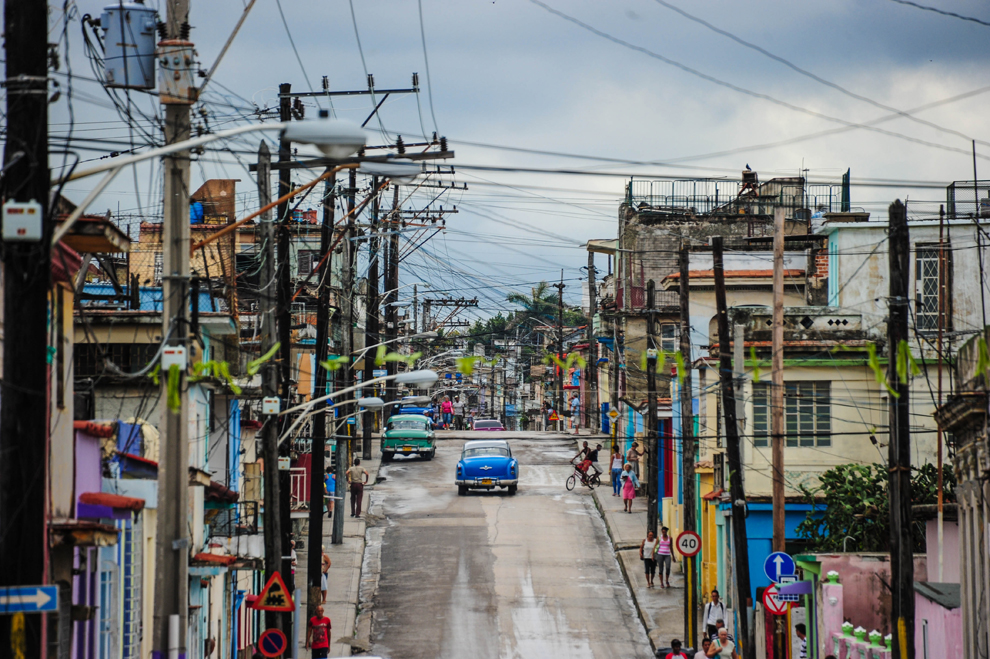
[[208, 559], [94, 428], [714, 494], [82, 533], [220, 493], [103, 505]]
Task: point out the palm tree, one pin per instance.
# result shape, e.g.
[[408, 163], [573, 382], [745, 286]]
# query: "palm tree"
[[541, 305]]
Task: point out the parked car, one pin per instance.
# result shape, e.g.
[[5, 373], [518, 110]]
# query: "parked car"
[[487, 464], [488, 424], [408, 434]]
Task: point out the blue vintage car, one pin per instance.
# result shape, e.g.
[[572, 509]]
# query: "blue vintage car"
[[487, 464]]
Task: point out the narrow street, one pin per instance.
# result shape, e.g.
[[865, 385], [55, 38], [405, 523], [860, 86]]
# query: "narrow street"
[[491, 575]]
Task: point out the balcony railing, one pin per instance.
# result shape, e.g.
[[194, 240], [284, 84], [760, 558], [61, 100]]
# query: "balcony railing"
[[240, 519]]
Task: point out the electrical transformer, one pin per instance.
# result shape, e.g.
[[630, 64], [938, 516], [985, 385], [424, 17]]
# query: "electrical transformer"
[[129, 45]]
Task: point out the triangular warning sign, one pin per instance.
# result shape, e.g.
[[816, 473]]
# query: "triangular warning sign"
[[554, 417], [274, 596]]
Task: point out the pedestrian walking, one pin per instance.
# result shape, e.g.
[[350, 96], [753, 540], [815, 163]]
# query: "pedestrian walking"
[[292, 556], [713, 612], [719, 626], [324, 568], [703, 653], [665, 555], [318, 634], [458, 413], [675, 650], [617, 463], [632, 457], [647, 554], [802, 634], [447, 410], [357, 476], [723, 647], [329, 491], [629, 484]]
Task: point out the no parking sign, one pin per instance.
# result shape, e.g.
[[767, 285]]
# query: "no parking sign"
[[272, 643]]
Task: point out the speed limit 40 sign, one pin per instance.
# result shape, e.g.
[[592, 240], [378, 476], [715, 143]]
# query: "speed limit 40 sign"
[[688, 543]]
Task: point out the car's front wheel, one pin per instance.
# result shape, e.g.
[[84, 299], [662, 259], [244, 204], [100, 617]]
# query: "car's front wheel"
[[461, 490]]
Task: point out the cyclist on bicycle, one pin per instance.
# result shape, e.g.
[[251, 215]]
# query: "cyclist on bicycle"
[[590, 455]]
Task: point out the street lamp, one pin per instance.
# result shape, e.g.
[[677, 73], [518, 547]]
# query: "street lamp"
[[421, 378]]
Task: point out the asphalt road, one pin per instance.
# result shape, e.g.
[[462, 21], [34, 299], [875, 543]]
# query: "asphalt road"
[[491, 575]]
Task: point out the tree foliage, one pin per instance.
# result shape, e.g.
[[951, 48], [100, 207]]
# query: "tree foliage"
[[852, 507]]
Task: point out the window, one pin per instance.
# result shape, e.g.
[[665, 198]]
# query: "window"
[[308, 258], [668, 338], [807, 414], [926, 287]]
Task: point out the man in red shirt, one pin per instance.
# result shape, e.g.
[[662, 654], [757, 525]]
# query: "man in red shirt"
[[318, 634]]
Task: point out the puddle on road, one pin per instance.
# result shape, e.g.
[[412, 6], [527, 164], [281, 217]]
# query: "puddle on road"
[[539, 631]]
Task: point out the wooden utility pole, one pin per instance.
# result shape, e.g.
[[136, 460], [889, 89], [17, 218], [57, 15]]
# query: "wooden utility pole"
[[269, 375], [346, 374], [901, 541], [317, 465], [560, 348], [391, 310], [777, 408], [283, 293], [27, 271], [372, 334], [652, 439], [744, 604], [591, 370], [688, 448], [172, 556]]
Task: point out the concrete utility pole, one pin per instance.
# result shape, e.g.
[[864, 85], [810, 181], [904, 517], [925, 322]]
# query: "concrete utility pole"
[[744, 604], [392, 311], [172, 555], [899, 459], [777, 408], [283, 292], [346, 374], [317, 471], [372, 333], [560, 349], [27, 273], [591, 370], [652, 439], [269, 375], [688, 448]]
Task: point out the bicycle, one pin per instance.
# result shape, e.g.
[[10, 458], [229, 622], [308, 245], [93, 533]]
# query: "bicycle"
[[591, 482]]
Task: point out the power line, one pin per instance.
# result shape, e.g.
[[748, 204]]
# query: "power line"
[[941, 11], [426, 61], [292, 42]]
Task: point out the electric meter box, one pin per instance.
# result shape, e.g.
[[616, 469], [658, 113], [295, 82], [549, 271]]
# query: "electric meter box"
[[173, 355], [22, 221], [129, 35], [270, 405]]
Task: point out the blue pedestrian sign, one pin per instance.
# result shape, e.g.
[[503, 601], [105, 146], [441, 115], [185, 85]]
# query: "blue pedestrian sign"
[[28, 599], [777, 565]]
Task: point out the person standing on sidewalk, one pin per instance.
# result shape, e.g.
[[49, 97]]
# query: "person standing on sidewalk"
[[706, 645], [447, 410], [357, 476], [318, 634], [629, 485], [325, 569], [665, 555], [713, 612], [617, 463], [458, 413], [647, 553], [632, 457]]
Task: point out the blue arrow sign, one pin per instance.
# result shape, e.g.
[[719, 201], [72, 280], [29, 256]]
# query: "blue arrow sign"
[[778, 564], [28, 599]]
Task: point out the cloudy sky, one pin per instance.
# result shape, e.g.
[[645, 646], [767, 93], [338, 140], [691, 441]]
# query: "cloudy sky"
[[635, 86]]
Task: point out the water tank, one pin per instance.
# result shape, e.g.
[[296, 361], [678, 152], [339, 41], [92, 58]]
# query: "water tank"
[[129, 41]]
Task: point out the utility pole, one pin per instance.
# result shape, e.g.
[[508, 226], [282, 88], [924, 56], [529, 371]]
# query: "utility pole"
[[415, 309], [688, 448], [372, 334], [901, 550], [560, 349], [172, 555], [591, 372], [343, 439], [391, 312], [27, 266], [283, 293], [652, 441], [317, 465], [777, 408], [744, 604], [269, 376]]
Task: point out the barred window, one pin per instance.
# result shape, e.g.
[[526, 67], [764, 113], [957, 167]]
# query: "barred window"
[[927, 287], [807, 414], [668, 338], [308, 258]]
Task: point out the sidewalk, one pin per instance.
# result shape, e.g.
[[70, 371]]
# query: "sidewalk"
[[344, 577], [661, 610]]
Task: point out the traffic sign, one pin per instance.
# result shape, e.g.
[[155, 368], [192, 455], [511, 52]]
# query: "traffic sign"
[[28, 599], [772, 603], [272, 643], [613, 414], [688, 543], [274, 596], [777, 565], [554, 417]]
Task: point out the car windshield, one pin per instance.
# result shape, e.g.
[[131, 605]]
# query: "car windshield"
[[486, 450], [407, 424], [487, 424]]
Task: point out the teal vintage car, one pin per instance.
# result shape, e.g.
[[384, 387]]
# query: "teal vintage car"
[[409, 434]]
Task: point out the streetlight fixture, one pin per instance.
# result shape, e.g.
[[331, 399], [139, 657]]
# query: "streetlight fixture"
[[399, 170]]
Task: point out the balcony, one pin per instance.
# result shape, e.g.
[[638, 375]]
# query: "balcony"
[[240, 518]]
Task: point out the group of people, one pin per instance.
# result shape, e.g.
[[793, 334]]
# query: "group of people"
[[449, 414], [657, 552], [625, 474]]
